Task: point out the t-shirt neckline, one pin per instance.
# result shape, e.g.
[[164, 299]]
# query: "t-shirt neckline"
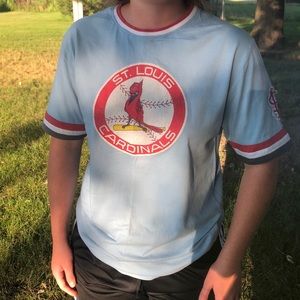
[[153, 32]]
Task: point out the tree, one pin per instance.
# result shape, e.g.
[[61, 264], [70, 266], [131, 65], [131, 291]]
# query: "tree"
[[268, 26], [89, 6]]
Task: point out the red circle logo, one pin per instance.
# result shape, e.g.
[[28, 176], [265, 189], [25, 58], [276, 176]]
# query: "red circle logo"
[[140, 110]]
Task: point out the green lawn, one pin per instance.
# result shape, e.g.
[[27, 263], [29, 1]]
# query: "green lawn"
[[28, 52]]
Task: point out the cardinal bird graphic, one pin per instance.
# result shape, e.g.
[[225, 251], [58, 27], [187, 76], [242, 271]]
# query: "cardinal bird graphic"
[[134, 108]]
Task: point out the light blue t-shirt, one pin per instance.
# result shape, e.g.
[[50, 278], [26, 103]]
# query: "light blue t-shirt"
[[153, 105]]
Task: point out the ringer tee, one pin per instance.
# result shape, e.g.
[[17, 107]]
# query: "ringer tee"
[[153, 105]]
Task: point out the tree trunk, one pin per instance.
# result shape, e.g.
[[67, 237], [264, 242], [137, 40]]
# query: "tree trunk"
[[268, 26]]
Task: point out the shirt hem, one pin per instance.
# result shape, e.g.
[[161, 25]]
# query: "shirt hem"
[[181, 261]]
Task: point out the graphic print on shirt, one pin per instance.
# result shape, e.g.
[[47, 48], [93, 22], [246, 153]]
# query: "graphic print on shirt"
[[273, 103], [140, 110]]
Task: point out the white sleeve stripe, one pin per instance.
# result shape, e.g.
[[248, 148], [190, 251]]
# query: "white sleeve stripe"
[[63, 131], [266, 151]]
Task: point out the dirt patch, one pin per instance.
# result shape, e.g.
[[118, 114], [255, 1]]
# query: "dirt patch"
[[21, 67]]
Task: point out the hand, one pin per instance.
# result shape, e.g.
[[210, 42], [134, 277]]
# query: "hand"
[[225, 285], [62, 268]]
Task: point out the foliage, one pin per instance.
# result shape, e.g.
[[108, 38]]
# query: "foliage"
[[89, 6], [64, 6], [4, 6], [33, 5], [92, 6]]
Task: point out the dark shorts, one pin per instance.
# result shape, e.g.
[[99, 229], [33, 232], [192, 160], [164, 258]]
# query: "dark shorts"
[[97, 280]]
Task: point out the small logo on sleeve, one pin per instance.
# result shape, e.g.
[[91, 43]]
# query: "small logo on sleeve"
[[140, 110], [273, 103]]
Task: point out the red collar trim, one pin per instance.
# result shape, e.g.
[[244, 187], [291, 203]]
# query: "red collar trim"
[[187, 15]]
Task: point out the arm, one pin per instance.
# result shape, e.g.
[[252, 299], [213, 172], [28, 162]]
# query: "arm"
[[255, 194], [63, 165]]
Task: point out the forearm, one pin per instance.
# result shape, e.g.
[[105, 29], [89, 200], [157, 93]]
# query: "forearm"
[[63, 165], [255, 194]]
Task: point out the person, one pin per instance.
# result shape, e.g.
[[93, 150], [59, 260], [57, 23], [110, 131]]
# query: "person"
[[152, 84]]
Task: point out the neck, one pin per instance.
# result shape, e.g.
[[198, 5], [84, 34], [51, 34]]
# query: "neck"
[[153, 14]]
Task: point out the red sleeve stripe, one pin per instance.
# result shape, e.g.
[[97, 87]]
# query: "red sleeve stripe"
[[63, 125], [263, 145]]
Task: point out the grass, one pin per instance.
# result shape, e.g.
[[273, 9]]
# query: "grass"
[[28, 51], [28, 54]]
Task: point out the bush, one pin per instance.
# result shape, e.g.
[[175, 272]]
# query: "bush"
[[33, 5], [4, 6], [64, 6], [89, 6]]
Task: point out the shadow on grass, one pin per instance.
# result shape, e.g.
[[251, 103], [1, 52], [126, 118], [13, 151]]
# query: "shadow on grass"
[[25, 271], [25, 261], [271, 269], [17, 137], [275, 251]]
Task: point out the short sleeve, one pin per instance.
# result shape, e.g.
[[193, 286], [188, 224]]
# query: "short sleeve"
[[63, 118], [251, 120]]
